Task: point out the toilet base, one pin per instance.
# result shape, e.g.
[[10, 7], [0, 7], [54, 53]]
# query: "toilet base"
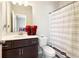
[[43, 54], [46, 56]]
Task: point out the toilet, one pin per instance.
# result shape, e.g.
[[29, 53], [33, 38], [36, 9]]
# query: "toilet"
[[47, 51]]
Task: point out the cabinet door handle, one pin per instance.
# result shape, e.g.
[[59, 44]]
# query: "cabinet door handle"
[[22, 51], [19, 52], [33, 42]]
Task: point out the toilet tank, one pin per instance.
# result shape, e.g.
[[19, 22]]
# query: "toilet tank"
[[42, 41]]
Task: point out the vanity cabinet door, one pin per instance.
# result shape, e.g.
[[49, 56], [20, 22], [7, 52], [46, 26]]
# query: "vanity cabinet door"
[[30, 51], [20, 49], [12, 53]]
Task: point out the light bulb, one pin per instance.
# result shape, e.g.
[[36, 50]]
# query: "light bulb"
[[14, 2], [26, 3]]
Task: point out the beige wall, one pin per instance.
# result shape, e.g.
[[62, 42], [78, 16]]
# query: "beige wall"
[[23, 10], [0, 28]]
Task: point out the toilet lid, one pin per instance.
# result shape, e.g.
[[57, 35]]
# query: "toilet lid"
[[48, 50]]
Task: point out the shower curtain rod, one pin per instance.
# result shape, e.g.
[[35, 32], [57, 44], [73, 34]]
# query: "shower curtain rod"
[[61, 7]]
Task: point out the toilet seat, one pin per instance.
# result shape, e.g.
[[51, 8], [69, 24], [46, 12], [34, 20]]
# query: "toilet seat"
[[49, 51]]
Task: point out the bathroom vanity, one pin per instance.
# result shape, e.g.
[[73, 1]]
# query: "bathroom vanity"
[[21, 47]]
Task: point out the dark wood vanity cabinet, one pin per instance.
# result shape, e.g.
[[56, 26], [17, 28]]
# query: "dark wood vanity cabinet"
[[25, 48]]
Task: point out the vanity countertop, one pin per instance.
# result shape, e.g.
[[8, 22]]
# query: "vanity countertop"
[[17, 37]]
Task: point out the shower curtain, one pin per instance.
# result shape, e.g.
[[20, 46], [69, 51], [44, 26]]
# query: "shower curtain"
[[64, 29]]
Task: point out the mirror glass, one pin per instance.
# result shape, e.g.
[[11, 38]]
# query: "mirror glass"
[[19, 22]]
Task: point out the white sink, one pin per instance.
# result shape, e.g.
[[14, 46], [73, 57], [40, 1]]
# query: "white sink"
[[13, 36], [19, 36]]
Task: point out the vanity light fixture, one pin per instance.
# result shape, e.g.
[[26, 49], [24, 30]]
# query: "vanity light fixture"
[[25, 3]]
